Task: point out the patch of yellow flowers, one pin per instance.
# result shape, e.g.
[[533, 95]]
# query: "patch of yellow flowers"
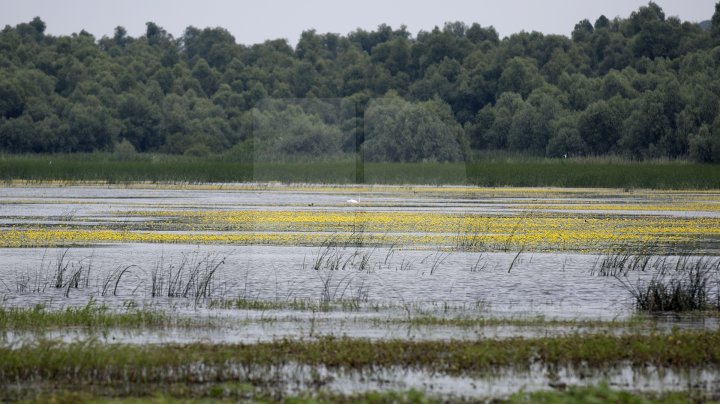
[[286, 227]]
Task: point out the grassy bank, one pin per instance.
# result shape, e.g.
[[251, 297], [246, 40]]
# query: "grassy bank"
[[506, 171]]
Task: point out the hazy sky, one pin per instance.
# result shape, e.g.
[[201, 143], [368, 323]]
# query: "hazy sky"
[[256, 21]]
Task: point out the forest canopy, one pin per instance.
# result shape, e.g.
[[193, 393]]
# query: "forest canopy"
[[645, 86]]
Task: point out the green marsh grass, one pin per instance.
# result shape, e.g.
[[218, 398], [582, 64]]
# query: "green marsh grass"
[[224, 392], [90, 315], [602, 393], [98, 316], [595, 173], [92, 362], [540, 322], [192, 277], [241, 303]]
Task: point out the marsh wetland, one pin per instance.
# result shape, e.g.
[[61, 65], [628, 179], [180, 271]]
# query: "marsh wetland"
[[327, 293]]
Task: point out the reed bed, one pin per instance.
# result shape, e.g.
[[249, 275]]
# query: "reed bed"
[[192, 276], [666, 283], [515, 172]]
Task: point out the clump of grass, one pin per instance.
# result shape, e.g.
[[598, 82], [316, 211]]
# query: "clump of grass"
[[340, 267], [689, 285], [681, 284], [339, 255], [619, 263], [62, 273], [113, 278], [470, 238], [192, 277]]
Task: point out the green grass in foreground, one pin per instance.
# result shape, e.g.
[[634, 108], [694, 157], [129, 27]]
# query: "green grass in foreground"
[[92, 362], [505, 171], [599, 394], [234, 391]]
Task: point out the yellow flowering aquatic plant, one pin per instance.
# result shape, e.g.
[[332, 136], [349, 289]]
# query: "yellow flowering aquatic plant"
[[286, 227]]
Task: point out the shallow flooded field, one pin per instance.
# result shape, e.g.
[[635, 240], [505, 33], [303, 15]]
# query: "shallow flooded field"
[[248, 264]]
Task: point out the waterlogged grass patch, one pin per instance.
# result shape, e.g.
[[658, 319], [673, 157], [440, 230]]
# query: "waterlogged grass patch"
[[99, 316], [540, 322], [91, 362], [601, 393], [225, 392], [88, 316], [220, 393]]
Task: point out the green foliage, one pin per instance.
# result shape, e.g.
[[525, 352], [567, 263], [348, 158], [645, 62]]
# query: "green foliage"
[[520, 75], [641, 86], [715, 27], [397, 130], [600, 126], [284, 131], [705, 146], [124, 151]]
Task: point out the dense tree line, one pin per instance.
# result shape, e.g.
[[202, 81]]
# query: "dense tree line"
[[644, 86]]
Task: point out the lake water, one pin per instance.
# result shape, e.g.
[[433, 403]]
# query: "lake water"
[[352, 288], [424, 278]]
